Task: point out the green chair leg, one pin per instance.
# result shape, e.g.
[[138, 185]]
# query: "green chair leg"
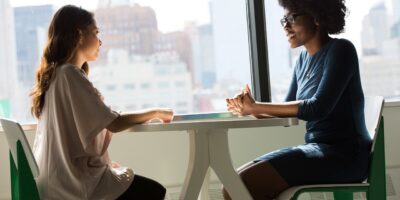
[[23, 185], [377, 176], [14, 179], [27, 184], [343, 195]]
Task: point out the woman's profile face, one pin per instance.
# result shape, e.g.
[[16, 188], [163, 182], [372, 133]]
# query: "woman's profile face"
[[299, 27], [90, 44]]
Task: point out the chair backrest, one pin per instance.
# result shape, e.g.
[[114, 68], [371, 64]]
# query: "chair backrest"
[[375, 125], [14, 133], [373, 111]]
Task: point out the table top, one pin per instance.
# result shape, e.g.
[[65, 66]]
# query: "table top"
[[212, 121]]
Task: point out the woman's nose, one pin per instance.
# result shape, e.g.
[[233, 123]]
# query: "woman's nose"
[[287, 27]]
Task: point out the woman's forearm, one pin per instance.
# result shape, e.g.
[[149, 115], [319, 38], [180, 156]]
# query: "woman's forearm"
[[127, 120], [287, 109]]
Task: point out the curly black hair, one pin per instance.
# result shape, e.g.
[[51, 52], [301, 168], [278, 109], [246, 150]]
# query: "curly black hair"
[[329, 13]]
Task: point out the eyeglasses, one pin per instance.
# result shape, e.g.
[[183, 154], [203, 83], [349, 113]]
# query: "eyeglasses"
[[290, 18]]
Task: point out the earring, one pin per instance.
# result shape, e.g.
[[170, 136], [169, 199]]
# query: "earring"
[[316, 22]]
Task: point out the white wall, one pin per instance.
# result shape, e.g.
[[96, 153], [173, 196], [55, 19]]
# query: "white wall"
[[163, 155]]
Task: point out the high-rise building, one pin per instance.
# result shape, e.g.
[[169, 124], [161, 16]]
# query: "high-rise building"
[[161, 80], [396, 10], [380, 63], [175, 42], [395, 30], [31, 24], [380, 72], [375, 30], [131, 28], [203, 58], [8, 72], [206, 56]]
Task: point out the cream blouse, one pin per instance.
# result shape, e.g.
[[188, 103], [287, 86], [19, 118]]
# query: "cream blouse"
[[71, 142]]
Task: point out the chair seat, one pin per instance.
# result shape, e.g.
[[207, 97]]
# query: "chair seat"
[[288, 193]]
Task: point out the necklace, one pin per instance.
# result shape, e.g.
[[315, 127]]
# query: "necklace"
[[314, 58], [308, 72]]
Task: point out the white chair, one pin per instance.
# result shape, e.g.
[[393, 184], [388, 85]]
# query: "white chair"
[[23, 166], [375, 185]]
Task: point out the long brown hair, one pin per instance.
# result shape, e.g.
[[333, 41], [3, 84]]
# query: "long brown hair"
[[64, 33]]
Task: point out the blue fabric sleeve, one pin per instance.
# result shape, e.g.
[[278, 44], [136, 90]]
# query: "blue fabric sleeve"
[[340, 66], [291, 95]]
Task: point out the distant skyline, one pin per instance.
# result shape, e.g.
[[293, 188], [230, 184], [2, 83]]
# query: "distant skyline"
[[171, 15]]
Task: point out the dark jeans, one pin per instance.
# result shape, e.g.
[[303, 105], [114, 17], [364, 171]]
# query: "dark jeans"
[[143, 188]]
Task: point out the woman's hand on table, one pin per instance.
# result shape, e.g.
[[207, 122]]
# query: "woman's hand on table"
[[242, 104], [165, 115]]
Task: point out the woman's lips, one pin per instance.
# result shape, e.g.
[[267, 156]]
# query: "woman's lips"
[[290, 36]]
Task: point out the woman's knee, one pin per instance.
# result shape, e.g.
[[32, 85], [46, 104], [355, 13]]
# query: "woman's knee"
[[263, 181], [161, 191], [156, 190], [145, 188]]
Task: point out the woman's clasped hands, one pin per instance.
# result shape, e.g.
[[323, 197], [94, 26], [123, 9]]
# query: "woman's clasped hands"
[[242, 104]]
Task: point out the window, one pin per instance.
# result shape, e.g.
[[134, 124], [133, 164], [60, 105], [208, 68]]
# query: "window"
[[111, 87], [130, 107], [129, 86], [373, 27], [199, 48], [163, 85]]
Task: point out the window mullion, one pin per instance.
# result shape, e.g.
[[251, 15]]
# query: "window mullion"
[[258, 50]]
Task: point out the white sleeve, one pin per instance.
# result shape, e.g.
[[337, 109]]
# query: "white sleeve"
[[90, 114]]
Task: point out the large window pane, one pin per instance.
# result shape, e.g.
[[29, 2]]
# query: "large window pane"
[[185, 54], [374, 28]]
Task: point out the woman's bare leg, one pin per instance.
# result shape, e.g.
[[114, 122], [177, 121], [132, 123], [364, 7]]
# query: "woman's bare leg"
[[262, 181]]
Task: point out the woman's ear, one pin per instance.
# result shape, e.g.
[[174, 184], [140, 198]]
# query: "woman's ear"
[[80, 37]]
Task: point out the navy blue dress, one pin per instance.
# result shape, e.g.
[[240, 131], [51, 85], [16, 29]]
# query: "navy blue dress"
[[337, 143]]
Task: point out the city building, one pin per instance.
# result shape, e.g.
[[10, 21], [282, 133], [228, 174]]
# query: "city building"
[[380, 62], [203, 55], [31, 24], [375, 29], [395, 30], [134, 83], [396, 10], [132, 28], [175, 42]]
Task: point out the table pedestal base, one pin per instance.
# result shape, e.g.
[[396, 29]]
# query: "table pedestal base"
[[210, 148]]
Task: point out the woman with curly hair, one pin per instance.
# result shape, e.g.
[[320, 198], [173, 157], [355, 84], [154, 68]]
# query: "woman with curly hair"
[[326, 92], [75, 126]]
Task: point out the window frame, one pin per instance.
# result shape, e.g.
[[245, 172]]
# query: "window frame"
[[259, 63]]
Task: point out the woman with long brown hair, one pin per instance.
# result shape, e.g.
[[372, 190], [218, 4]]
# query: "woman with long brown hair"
[[75, 126]]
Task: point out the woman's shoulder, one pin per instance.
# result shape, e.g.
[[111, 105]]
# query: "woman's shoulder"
[[67, 70], [341, 47], [342, 44]]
